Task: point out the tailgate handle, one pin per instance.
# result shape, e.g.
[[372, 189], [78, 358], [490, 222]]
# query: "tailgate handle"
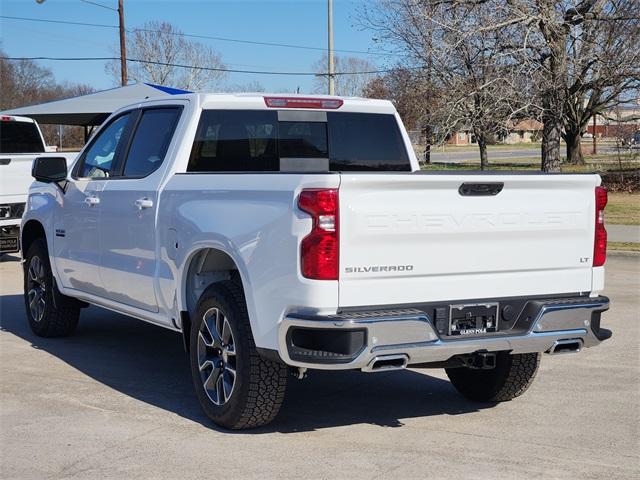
[[480, 189], [5, 161]]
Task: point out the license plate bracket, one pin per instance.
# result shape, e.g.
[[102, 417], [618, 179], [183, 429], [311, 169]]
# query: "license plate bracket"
[[473, 319]]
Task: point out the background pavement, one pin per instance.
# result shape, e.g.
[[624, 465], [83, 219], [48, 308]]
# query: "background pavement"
[[623, 233], [532, 155], [116, 400], [495, 154]]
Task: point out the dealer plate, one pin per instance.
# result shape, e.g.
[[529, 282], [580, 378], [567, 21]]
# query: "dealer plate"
[[8, 244], [472, 320]]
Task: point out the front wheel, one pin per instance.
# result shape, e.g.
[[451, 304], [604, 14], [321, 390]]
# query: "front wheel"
[[50, 314], [236, 387], [511, 377]]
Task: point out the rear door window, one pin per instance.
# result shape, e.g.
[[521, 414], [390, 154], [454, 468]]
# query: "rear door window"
[[249, 140], [235, 141], [20, 137], [150, 141]]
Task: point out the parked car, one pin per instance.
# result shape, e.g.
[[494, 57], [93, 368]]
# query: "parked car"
[[20, 142], [280, 234]]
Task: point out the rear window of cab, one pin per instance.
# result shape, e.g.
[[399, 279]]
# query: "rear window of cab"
[[261, 141], [20, 137]]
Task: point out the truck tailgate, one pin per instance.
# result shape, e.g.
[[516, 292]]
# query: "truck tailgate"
[[410, 238], [15, 176]]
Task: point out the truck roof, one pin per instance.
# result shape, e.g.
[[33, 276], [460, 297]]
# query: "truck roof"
[[256, 101], [15, 118]]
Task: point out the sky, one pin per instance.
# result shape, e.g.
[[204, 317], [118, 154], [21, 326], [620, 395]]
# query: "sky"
[[297, 22]]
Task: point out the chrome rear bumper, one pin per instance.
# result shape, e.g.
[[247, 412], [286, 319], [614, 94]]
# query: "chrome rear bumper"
[[410, 333]]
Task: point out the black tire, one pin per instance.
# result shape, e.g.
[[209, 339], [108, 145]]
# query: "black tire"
[[511, 377], [57, 315], [259, 385]]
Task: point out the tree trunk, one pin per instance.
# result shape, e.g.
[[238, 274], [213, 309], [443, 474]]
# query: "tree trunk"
[[553, 95], [427, 145], [551, 134], [482, 145], [574, 150]]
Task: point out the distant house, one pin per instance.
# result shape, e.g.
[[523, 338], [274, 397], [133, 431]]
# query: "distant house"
[[524, 131], [464, 136], [521, 131]]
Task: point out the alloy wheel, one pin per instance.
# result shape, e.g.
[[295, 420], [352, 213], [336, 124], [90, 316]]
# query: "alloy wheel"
[[216, 356], [36, 288]]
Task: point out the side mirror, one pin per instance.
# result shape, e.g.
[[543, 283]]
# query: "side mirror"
[[49, 169]]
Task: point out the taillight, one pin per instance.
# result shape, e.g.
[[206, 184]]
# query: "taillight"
[[600, 241], [320, 250], [301, 102]]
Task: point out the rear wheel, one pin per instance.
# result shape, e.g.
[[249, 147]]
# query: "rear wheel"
[[236, 387], [511, 377], [50, 313]]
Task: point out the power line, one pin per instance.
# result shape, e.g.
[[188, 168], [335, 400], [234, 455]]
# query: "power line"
[[65, 22], [99, 5], [190, 35], [197, 67]]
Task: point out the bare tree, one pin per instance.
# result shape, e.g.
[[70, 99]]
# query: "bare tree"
[[603, 51], [163, 57], [578, 55], [350, 80], [23, 82], [476, 88], [583, 56]]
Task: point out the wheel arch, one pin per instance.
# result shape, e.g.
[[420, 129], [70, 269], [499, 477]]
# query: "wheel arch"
[[204, 267], [29, 233]]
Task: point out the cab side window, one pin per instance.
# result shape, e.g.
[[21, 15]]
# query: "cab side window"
[[151, 140], [99, 158]]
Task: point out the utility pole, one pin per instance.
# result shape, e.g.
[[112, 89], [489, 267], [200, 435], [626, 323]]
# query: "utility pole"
[[332, 86], [123, 46]]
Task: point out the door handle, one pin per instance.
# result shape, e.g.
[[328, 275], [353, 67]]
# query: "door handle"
[[92, 200], [144, 203]]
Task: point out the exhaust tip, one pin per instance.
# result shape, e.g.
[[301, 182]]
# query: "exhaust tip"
[[387, 363], [570, 345]]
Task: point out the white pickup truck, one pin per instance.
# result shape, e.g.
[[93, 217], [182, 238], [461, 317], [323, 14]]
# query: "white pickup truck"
[[280, 234], [21, 141]]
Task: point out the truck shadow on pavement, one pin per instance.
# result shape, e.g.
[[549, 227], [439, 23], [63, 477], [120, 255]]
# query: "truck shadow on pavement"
[[148, 363]]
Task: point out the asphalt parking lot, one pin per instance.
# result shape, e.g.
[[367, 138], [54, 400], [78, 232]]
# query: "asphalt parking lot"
[[115, 401]]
